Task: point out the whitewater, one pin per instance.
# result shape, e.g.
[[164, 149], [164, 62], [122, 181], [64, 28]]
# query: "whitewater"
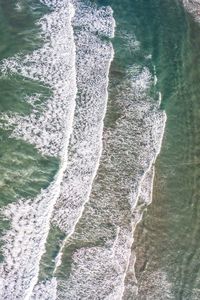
[[105, 175]]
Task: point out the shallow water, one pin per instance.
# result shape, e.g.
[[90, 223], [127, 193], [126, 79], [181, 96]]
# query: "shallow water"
[[167, 240]]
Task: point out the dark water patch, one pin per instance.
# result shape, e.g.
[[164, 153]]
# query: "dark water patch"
[[24, 172], [53, 246], [15, 92], [18, 29]]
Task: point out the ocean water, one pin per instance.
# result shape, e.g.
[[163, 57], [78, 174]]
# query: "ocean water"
[[88, 90], [167, 242]]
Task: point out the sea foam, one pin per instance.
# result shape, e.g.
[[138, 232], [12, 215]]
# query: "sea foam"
[[103, 268], [53, 65], [125, 176], [193, 8], [93, 58]]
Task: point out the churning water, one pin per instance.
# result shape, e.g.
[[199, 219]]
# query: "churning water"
[[84, 89]]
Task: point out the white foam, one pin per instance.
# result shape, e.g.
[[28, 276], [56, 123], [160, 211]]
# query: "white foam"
[[93, 58], [155, 76], [45, 290], [193, 8], [157, 286], [130, 150], [86, 142], [95, 270], [144, 198], [129, 40], [125, 174], [19, 6], [54, 64], [97, 21]]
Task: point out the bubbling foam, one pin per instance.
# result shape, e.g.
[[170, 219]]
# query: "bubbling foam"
[[86, 141], [125, 175], [54, 65], [193, 8], [93, 58], [73, 182]]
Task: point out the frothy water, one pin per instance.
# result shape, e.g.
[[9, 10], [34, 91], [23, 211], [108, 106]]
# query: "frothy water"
[[85, 146], [193, 8], [86, 141], [107, 224], [105, 177], [54, 64], [166, 241]]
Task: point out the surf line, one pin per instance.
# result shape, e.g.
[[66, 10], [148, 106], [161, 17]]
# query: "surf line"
[[85, 146], [145, 191], [100, 125], [59, 256], [64, 152]]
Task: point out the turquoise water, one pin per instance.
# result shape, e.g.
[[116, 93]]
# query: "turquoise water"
[[156, 49]]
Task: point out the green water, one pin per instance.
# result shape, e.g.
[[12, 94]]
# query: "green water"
[[23, 171], [18, 30], [167, 241]]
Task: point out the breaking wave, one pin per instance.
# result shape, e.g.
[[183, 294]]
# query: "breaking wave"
[[124, 181]]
